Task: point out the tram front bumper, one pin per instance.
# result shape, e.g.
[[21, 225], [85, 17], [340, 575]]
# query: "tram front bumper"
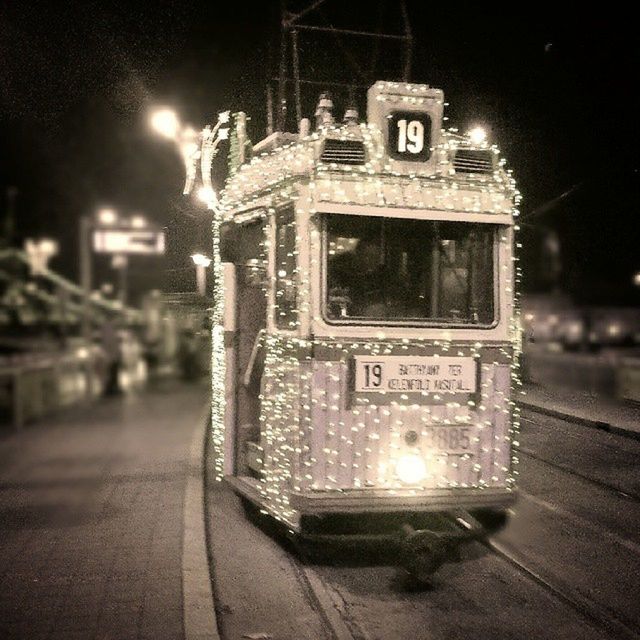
[[384, 501]]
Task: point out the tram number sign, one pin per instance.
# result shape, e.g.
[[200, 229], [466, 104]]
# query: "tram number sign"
[[448, 439], [409, 135], [417, 374]]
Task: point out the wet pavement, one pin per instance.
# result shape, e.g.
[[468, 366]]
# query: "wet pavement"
[[91, 518]]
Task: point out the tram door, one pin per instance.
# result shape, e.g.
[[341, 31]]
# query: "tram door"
[[244, 246]]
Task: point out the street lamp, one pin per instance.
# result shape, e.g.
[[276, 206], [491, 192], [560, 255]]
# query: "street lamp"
[[202, 262], [138, 222], [197, 148], [106, 217], [165, 122]]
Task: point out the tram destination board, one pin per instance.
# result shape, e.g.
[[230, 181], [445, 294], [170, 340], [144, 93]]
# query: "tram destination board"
[[415, 374]]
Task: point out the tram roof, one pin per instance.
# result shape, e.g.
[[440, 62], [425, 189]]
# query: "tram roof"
[[347, 165]]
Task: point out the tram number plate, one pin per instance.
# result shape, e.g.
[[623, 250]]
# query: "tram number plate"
[[448, 439], [428, 374]]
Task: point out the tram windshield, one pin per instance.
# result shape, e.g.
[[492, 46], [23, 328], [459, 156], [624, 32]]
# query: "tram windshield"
[[399, 270]]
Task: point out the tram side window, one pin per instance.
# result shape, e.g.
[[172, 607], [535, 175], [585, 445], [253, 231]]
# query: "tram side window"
[[409, 270], [285, 257]]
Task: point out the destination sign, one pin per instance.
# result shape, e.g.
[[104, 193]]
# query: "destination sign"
[[415, 374]]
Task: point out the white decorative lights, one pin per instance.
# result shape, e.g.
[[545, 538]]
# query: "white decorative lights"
[[312, 437]]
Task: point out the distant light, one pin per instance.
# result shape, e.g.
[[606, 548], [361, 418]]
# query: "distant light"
[[82, 353], [119, 261], [107, 216], [575, 328], [138, 222], [165, 122], [411, 469], [477, 135], [529, 317], [636, 279], [201, 260], [48, 246], [614, 330]]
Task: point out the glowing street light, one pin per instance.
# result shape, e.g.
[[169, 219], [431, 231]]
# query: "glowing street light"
[[201, 260], [138, 222], [165, 122], [107, 216], [196, 147]]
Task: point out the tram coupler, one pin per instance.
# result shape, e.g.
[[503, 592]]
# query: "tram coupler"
[[424, 551]]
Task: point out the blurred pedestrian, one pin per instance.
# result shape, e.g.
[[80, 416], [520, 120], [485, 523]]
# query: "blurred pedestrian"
[[111, 345], [188, 355]]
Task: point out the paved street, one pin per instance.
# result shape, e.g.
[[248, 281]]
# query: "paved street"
[[91, 519]]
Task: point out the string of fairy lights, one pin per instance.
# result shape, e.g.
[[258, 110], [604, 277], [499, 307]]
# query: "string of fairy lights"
[[312, 437]]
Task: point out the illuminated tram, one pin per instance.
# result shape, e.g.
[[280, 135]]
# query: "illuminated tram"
[[365, 354]]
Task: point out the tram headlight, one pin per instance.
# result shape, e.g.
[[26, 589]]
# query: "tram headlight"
[[411, 469]]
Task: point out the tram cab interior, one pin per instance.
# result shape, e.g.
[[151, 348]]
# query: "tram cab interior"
[[369, 318]]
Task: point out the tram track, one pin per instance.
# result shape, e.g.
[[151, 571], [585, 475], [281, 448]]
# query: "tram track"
[[331, 591], [323, 599], [623, 493], [334, 608], [601, 617], [583, 523], [622, 436], [594, 481]]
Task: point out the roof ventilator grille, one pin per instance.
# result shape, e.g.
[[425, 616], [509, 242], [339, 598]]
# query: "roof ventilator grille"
[[343, 152], [473, 161]]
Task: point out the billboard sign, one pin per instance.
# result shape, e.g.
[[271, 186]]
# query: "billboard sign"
[[129, 241]]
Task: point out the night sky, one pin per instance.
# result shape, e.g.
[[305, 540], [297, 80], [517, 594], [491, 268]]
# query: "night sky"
[[557, 92]]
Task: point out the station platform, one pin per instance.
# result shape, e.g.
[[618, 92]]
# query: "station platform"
[[91, 518], [600, 412]]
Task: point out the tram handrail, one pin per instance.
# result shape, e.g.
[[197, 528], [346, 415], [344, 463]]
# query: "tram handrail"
[[257, 345]]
